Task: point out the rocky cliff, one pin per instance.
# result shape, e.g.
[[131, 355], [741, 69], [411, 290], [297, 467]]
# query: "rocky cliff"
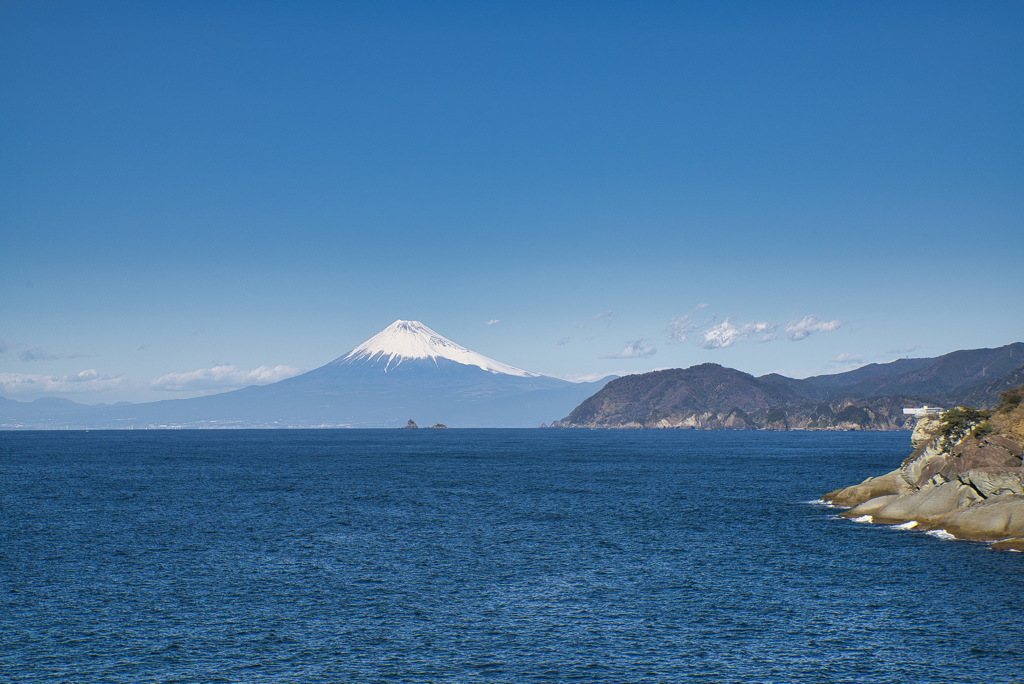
[[964, 477]]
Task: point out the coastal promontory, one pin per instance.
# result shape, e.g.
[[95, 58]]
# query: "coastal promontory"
[[964, 478], [712, 397]]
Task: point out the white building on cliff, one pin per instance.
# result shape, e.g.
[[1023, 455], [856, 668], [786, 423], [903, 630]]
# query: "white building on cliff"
[[923, 411]]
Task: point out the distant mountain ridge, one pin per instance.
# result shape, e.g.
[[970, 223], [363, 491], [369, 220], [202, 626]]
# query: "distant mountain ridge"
[[406, 371], [710, 396], [952, 377]]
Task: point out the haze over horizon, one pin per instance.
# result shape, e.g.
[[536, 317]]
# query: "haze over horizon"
[[202, 196]]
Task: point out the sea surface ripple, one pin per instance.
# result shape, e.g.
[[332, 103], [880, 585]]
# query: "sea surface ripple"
[[480, 556]]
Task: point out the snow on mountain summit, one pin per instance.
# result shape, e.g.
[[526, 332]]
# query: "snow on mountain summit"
[[405, 340]]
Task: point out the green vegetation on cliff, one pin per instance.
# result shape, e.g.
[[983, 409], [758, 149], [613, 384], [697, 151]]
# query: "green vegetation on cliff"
[[958, 422]]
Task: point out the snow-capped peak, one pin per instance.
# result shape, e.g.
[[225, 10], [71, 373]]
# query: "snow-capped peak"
[[404, 340]]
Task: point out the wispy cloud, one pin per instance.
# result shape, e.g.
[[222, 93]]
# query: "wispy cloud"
[[563, 340], [606, 316], [726, 334], [845, 358], [589, 377], [30, 353], [901, 353], [493, 321], [36, 354], [637, 349], [222, 377], [84, 381], [679, 329], [799, 330]]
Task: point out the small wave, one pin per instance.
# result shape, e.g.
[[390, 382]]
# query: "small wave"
[[820, 502], [909, 525], [940, 534], [863, 519]]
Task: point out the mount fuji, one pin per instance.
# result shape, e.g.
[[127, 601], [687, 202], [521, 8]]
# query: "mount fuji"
[[406, 371], [411, 341]]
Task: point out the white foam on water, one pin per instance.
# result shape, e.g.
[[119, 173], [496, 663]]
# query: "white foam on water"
[[863, 519], [906, 526], [820, 502], [940, 534]]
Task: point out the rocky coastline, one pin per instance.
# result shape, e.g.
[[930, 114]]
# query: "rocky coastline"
[[712, 397], [964, 478]]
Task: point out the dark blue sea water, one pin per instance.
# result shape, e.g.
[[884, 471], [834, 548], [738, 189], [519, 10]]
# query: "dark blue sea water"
[[480, 556]]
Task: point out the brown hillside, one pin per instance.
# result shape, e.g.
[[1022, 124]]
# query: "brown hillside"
[[1008, 419]]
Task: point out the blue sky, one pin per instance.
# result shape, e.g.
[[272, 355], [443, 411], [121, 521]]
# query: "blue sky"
[[200, 195]]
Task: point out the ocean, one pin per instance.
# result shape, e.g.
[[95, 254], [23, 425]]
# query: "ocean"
[[481, 556]]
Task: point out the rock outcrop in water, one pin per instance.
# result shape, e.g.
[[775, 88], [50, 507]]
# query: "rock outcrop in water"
[[964, 477]]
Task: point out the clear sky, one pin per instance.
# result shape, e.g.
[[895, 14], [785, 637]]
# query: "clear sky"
[[200, 195]]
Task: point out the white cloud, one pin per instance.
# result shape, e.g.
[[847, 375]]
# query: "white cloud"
[[84, 381], [799, 330], [845, 358], [222, 377], [725, 334], [493, 321], [637, 349]]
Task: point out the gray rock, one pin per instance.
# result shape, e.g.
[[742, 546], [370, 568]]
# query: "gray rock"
[[1012, 447], [1010, 544], [929, 503], [994, 481], [926, 429], [997, 518], [871, 506], [890, 483], [970, 454], [923, 464]]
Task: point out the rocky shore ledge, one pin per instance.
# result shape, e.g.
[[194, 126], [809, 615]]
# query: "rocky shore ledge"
[[964, 477]]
